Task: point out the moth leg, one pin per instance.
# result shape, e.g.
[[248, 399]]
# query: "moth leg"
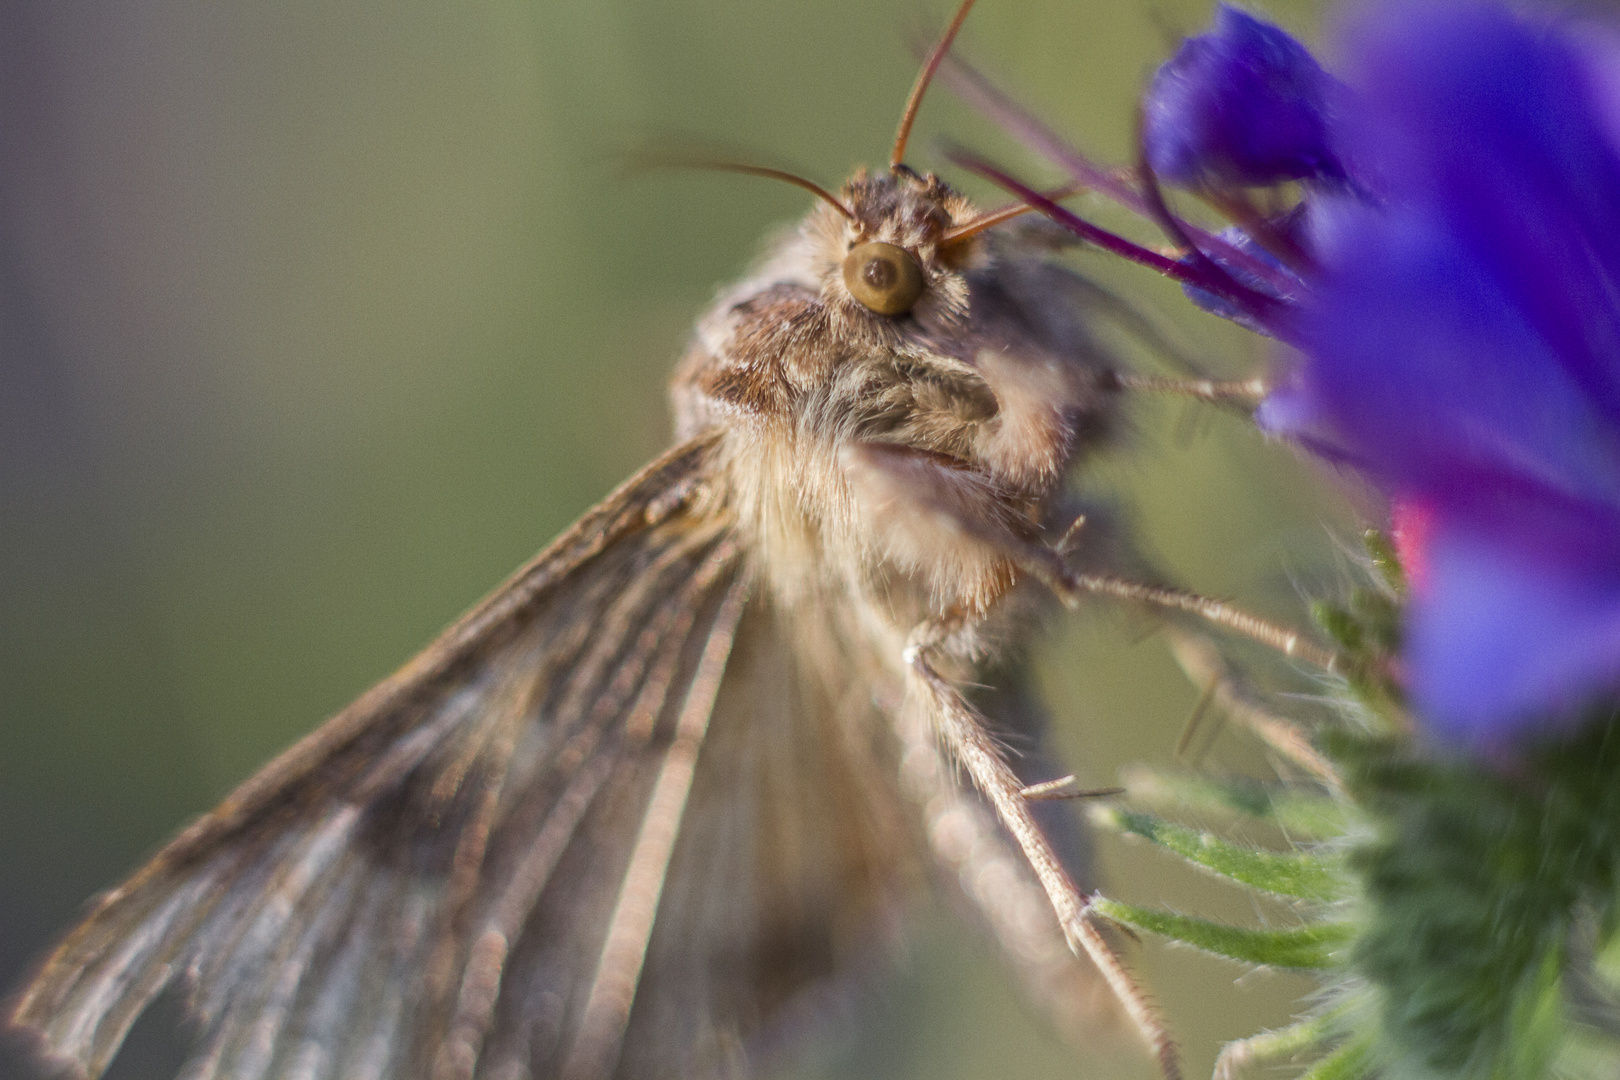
[[966, 738], [1049, 567], [1241, 394], [992, 878], [918, 503]]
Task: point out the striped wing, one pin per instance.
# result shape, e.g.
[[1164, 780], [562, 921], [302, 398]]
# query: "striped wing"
[[458, 876]]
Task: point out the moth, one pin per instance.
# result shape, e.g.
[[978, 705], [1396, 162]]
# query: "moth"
[[683, 770]]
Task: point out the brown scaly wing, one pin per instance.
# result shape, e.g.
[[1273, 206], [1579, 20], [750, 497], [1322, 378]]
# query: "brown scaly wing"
[[792, 864], [458, 875]]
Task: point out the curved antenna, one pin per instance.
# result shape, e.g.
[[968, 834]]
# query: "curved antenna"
[[991, 218], [758, 170], [897, 156]]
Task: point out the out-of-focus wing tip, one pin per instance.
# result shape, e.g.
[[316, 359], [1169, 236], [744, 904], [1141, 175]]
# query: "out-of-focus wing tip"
[[22, 1026]]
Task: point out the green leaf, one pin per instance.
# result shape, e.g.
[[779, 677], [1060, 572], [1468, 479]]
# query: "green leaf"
[[1296, 874], [1312, 947], [1340, 625], [1346, 1063], [1272, 1046], [1298, 811], [1380, 618]]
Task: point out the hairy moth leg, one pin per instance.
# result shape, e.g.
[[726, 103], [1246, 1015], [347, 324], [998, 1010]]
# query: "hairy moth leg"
[[921, 502], [965, 738], [972, 849]]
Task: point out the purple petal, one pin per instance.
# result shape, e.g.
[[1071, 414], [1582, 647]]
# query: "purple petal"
[[1243, 104], [1500, 129], [1241, 243], [1418, 356], [1463, 342], [1503, 640]]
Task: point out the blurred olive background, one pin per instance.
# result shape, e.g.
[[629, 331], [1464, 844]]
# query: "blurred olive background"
[[318, 318]]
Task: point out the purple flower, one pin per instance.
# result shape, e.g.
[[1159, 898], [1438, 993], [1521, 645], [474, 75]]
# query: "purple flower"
[[1450, 289], [1461, 342], [1243, 104]]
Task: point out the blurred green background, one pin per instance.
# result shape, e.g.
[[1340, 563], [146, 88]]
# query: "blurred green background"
[[317, 318]]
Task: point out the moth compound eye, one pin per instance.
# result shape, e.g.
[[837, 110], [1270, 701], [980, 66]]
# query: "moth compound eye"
[[885, 278]]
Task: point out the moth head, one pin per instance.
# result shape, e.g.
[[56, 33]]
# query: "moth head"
[[888, 256], [884, 278], [888, 274], [901, 224], [896, 237]]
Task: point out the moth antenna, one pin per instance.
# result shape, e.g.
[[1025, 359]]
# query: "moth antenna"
[[991, 218], [758, 170], [897, 156]]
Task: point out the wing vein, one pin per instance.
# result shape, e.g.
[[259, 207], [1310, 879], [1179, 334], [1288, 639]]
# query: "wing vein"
[[607, 1006], [651, 663]]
